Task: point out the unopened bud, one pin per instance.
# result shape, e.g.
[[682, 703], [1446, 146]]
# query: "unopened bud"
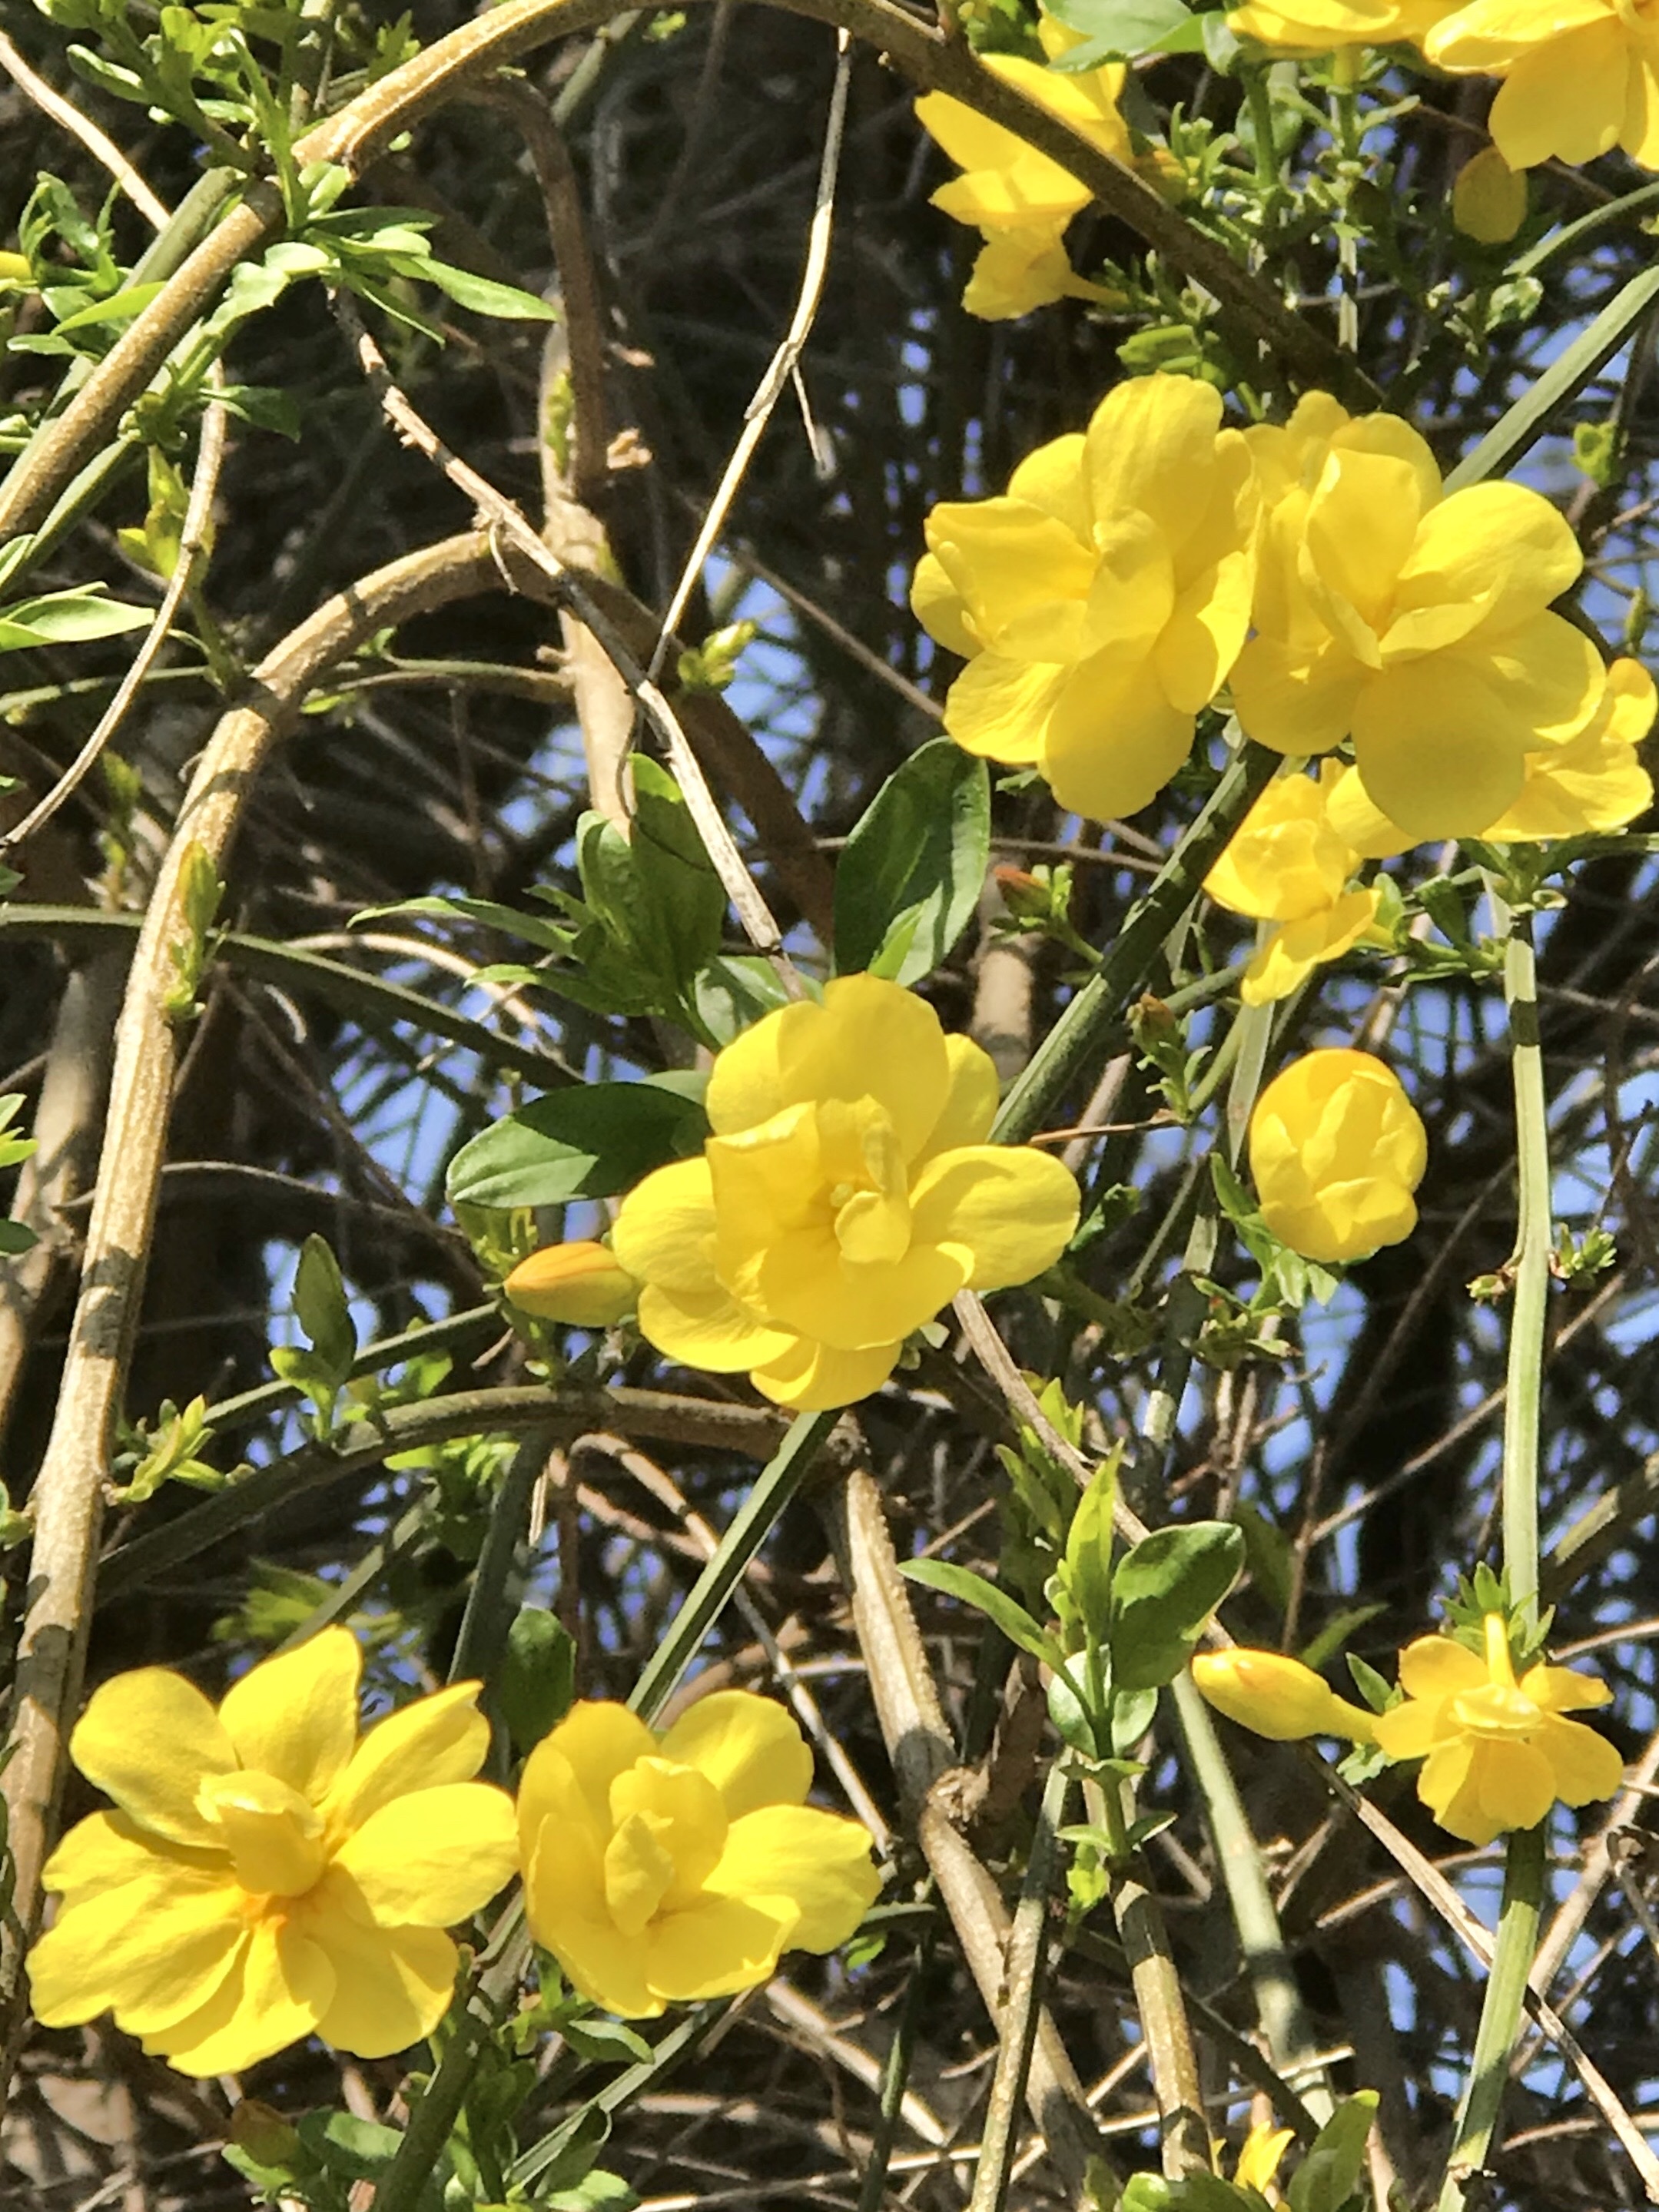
[[580, 1284], [262, 2133], [1489, 199], [1277, 1696]]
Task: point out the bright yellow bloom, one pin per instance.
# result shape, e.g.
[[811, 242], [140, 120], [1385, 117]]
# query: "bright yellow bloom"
[[663, 1870], [1336, 1151], [1417, 621], [1286, 863], [1258, 2160], [1497, 1754], [1102, 600], [1489, 199], [578, 1283], [1595, 782], [266, 1875], [1018, 200], [1276, 1696], [846, 1194], [1320, 27], [1580, 76]]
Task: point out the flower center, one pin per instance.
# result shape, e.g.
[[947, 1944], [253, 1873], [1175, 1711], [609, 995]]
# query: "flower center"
[[273, 1836], [671, 1830], [869, 1192]]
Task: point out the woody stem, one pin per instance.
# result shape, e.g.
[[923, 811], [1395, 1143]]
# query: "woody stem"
[[1531, 1263]]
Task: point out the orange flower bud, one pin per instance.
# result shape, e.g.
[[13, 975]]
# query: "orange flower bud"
[[580, 1284]]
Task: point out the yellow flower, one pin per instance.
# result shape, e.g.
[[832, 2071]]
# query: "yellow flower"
[[1286, 863], [846, 1194], [1259, 2159], [1496, 1753], [1102, 600], [1277, 1697], [1018, 200], [663, 1870], [1320, 27], [1336, 1151], [1417, 621], [1595, 782], [266, 1875], [578, 1283], [1489, 199], [1580, 76]]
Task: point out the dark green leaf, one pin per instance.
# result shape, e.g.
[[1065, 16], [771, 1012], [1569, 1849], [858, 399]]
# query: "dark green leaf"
[[1126, 28], [924, 841], [1164, 1591], [683, 895], [320, 1303], [970, 1589], [590, 1143], [1329, 2174], [16, 1237], [606, 2042], [537, 1679], [734, 991]]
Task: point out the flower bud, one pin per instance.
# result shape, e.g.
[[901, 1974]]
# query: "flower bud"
[[580, 1284], [1489, 199], [1336, 1151], [1276, 1696]]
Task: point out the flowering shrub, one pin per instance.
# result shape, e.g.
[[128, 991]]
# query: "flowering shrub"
[[1101, 601], [265, 1875], [846, 1194], [661, 1869]]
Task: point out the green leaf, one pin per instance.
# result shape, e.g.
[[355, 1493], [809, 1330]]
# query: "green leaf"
[[485, 297], [970, 1589], [590, 1143], [1165, 1589], [551, 937], [319, 1305], [119, 308], [67, 618], [1329, 2172], [606, 2042], [683, 895], [600, 2192], [1133, 1713], [1088, 1562], [15, 1237], [734, 991], [1124, 29], [537, 1679], [924, 841]]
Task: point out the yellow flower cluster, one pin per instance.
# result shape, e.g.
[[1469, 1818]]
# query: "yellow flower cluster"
[[847, 1194], [1286, 863], [1496, 1752], [266, 1875], [1108, 595]]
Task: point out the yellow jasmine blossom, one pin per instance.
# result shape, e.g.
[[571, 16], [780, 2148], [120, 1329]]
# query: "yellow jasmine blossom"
[[1286, 863], [1258, 2160], [1580, 76], [846, 1195], [1496, 1753], [661, 1870], [1336, 1151], [1593, 783], [1416, 621], [266, 1875], [578, 1283], [1489, 199], [1018, 200], [1320, 27], [1277, 1697], [1101, 601]]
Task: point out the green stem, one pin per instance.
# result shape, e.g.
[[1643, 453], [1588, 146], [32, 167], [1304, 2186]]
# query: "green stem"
[[1531, 1263], [1017, 2024], [1292, 2043], [1500, 2014], [896, 2076]]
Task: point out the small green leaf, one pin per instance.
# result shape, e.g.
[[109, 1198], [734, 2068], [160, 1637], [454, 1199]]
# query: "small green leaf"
[[1165, 1590], [970, 1589], [1088, 1562], [485, 297], [67, 618], [923, 842], [605, 2041], [537, 1676], [1125, 30], [1329, 2172], [320, 1307], [587, 1143]]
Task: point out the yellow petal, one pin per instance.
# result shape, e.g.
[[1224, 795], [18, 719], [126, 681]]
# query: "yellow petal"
[[665, 1232], [1360, 823], [1293, 951], [1492, 34], [555, 1810], [1258, 2160], [443, 1738], [1052, 477], [1008, 1210], [938, 607], [712, 1332], [1412, 1729], [1437, 747], [391, 1986], [1563, 1689], [108, 1849], [1584, 1766], [151, 1950], [809, 1285], [1495, 553], [1206, 632], [1152, 449], [717, 1947], [999, 709], [971, 140], [749, 1748], [1113, 740], [970, 1103], [1267, 1692], [147, 1739], [793, 1858], [296, 1716], [599, 1740], [1438, 1666], [608, 1967], [1023, 578], [812, 1378], [1361, 525], [1017, 271], [1294, 700], [433, 1856], [1133, 591], [278, 1993]]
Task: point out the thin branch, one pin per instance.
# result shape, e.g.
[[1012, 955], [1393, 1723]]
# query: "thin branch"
[[102, 149]]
